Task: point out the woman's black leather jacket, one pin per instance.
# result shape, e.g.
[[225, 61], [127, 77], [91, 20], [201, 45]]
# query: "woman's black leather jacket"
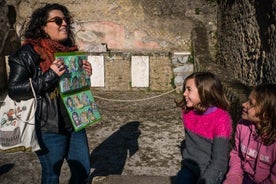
[[51, 115]]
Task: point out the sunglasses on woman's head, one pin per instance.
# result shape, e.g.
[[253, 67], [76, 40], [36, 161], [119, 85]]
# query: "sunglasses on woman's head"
[[58, 20]]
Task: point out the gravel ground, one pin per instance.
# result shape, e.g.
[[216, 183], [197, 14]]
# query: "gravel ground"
[[139, 134]]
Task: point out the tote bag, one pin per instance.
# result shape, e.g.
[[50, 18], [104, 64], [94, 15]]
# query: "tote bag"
[[17, 128]]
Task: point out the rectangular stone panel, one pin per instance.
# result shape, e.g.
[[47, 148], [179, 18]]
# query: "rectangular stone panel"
[[140, 71], [97, 78]]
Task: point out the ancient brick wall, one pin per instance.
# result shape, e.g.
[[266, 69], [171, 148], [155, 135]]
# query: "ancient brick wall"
[[161, 72], [117, 75]]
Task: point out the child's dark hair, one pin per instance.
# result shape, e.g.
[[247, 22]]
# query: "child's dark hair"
[[265, 95], [210, 90]]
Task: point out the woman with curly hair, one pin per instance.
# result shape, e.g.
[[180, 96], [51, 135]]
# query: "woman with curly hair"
[[253, 158], [48, 31]]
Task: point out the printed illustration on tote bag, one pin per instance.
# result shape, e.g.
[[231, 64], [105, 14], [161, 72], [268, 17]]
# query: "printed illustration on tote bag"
[[17, 125]]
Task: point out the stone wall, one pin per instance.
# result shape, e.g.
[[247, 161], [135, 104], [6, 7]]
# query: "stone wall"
[[129, 26], [124, 24], [236, 92], [246, 48], [8, 39], [246, 40], [164, 67], [118, 77]]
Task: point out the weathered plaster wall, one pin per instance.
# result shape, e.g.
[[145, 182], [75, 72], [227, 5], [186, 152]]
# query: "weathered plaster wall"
[[124, 24]]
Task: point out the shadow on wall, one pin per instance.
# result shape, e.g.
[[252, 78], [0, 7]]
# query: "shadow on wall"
[[110, 156]]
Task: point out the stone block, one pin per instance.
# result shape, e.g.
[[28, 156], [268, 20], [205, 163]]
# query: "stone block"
[[180, 57]]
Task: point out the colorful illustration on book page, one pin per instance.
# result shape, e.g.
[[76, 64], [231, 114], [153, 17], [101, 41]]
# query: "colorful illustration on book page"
[[75, 76], [82, 109]]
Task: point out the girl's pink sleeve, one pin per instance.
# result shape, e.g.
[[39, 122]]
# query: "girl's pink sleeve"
[[235, 172], [272, 178], [273, 173]]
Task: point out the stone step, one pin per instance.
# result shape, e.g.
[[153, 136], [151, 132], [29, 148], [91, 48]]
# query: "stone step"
[[132, 179]]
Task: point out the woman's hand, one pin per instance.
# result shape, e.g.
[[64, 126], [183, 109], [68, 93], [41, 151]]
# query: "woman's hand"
[[87, 67], [58, 67]]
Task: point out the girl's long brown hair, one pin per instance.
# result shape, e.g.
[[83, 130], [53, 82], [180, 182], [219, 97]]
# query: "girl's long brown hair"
[[210, 90], [266, 102]]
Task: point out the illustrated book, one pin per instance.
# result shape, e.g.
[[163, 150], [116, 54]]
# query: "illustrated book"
[[75, 91]]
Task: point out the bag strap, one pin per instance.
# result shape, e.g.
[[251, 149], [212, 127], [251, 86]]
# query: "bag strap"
[[35, 106]]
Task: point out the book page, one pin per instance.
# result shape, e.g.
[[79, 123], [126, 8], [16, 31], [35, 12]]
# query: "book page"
[[75, 91]]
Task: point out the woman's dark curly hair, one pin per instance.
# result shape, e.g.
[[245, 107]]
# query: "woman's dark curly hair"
[[265, 95], [210, 91], [34, 27]]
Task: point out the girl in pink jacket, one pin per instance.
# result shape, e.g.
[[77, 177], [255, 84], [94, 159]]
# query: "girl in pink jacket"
[[253, 158]]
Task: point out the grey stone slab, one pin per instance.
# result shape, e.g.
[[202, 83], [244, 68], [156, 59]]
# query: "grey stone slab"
[[134, 179]]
